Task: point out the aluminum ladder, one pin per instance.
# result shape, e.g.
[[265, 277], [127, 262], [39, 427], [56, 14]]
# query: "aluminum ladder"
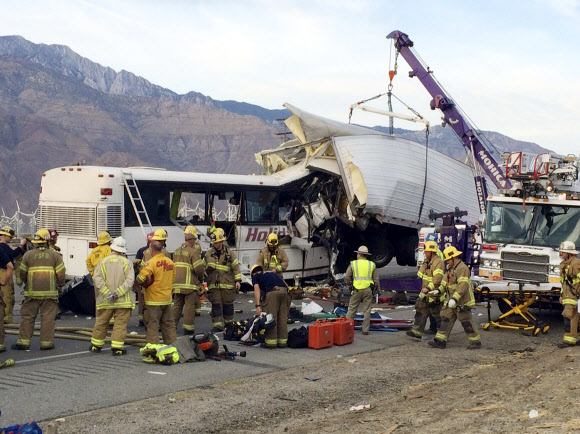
[[137, 202]]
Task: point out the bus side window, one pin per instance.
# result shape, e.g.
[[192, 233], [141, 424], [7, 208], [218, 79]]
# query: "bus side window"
[[262, 207]]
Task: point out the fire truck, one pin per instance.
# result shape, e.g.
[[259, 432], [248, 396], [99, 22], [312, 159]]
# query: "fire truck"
[[525, 224]]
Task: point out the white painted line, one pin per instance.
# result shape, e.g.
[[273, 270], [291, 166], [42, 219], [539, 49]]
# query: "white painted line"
[[156, 373]]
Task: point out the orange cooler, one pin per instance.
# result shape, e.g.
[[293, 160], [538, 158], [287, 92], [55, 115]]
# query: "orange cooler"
[[320, 335], [343, 331]]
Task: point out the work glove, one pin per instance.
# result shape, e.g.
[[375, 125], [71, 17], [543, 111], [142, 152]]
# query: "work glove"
[[452, 303], [433, 293]]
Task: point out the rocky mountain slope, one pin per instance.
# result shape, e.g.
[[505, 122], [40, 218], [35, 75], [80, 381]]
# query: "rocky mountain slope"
[[59, 108]]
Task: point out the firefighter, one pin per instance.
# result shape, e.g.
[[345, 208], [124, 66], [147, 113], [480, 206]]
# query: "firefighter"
[[157, 276], [6, 235], [431, 296], [271, 295], [102, 250], [114, 277], [137, 264], [459, 301], [273, 257], [362, 274], [570, 279], [223, 280], [53, 240], [7, 270], [189, 271], [42, 271]]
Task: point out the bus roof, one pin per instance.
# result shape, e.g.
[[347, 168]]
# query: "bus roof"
[[283, 177]]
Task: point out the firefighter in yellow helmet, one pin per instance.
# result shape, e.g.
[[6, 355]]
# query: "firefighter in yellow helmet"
[[431, 296], [570, 280], [189, 271], [223, 280], [6, 235], [157, 276], [273, 257], [42, 271], [102, 250], [459, 301], [114, 277], [362, 274], [144, 257]]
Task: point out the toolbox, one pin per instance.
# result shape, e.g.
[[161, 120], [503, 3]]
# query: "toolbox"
[[343, 331], [320, 335]]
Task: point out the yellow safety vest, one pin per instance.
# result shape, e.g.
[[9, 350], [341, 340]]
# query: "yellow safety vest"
[[362, 273]]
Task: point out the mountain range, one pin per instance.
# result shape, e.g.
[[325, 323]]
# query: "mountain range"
[[59, 108]]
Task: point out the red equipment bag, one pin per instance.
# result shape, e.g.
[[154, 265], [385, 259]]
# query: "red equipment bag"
[[343, 331], [320, 335]]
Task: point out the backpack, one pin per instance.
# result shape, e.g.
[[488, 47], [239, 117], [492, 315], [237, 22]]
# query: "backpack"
[[298, 338]]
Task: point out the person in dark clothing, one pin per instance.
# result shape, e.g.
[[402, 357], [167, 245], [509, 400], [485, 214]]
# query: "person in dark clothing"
[[6, 235], [271, 295]]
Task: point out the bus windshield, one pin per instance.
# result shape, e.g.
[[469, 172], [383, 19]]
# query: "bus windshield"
[[539, 225]]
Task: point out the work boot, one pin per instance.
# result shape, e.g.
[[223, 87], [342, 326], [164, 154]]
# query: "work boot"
[[269, 347], [282, 345], [430, 332], [47, 348], [436, 343], [95, 349], [20, 347], [565, 345], [197, 313], [411, 334], [2, 348], [118, 352], [141, 323], [365, 333], [474, 345]]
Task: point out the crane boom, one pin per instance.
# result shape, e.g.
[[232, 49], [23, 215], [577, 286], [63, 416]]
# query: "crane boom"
[[456, 120]]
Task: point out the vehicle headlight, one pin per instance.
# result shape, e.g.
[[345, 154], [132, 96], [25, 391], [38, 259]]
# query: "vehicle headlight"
[[486, 263], [494, 264], [555, 269]]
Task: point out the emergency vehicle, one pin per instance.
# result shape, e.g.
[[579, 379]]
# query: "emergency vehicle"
[[525, 224]]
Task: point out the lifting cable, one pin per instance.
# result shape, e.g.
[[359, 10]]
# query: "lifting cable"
[[425, 181]]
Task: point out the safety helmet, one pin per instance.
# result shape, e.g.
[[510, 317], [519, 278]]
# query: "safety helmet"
[[218, 235], [568, 247], [191, 231], [431, 246], [159, 235], [451, 252], [53, 233], [7, 230], [254, 269], [273, 239], [104, 238], [119, 245], [41, 236]]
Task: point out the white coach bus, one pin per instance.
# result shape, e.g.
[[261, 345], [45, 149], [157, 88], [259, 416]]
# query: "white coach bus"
[[81, 201]]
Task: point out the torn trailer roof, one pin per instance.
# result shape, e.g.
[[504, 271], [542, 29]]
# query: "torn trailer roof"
[[394, 180]]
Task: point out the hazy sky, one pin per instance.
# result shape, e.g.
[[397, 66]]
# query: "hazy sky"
[[513, 66]]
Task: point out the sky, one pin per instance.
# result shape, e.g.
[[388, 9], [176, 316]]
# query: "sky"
[[512, 66]]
